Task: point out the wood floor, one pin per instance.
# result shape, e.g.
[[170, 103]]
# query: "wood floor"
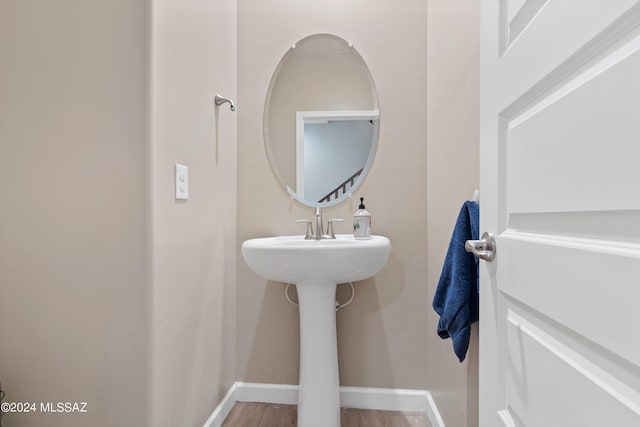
[[246, 414]]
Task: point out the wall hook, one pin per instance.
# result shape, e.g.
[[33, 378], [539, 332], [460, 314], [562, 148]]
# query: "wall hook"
[[219, 100]]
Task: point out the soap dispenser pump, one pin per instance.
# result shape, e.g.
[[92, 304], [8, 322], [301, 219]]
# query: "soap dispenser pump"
[[362, 222]]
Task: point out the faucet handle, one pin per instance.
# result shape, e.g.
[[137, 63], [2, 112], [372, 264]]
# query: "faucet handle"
[[309, 233], [330, 232]]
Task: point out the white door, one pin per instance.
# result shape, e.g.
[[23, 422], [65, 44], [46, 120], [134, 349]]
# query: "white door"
[[560, 189]]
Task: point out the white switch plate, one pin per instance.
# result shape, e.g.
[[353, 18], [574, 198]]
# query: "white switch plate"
[[182, 182]]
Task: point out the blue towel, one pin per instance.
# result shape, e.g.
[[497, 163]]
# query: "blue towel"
[[456, 297]]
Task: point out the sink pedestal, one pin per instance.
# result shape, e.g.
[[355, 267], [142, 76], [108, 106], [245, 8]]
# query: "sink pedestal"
[[315, 267], [319, 395]]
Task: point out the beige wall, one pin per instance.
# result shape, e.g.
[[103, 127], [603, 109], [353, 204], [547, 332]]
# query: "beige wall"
[[383, 337], [452, 164], [424, 169], [193, 249], [111, 292], [73, 295]]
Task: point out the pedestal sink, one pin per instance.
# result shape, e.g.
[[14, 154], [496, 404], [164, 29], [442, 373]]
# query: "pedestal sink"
[[316, 267]]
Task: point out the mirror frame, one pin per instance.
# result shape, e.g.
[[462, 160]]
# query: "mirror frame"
[[337, 113]]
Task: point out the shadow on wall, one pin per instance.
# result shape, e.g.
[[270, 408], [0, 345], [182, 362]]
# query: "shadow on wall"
[[473, 377], [385, 288], [228, 377], [363, 351], [277, 332]]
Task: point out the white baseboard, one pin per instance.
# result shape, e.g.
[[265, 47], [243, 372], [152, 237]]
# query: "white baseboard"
[[285, 394], [386, 399], [432, 412], [219, 414], [352, 397]]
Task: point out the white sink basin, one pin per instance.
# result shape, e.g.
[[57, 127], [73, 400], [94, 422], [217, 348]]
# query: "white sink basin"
[[316, 267], [291, 259]]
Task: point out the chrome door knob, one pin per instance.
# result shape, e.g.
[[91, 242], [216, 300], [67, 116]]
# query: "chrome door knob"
[[485, 248]]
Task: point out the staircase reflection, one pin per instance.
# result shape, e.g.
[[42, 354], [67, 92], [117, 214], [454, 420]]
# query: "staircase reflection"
[[342, 188]]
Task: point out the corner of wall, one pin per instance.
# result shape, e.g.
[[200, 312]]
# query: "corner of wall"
[[453, 139], [192, 243]]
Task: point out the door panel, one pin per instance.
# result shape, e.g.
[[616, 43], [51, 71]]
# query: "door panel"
[[560, 154], [553, 370], [572, 154], [560, 35], [587, 285]]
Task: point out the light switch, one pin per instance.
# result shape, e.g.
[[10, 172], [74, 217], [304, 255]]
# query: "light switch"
[[182, 182]]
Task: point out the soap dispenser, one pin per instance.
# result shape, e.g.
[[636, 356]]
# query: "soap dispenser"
[[362, 222]]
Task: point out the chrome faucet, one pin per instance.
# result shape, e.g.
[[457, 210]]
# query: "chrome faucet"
[[319, 229], [319, 235]]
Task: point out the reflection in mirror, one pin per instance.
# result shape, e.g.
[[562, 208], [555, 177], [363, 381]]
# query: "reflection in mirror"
[[321, 120], [332, 148]]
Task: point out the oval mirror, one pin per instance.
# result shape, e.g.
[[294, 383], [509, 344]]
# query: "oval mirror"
[[321, 120]]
